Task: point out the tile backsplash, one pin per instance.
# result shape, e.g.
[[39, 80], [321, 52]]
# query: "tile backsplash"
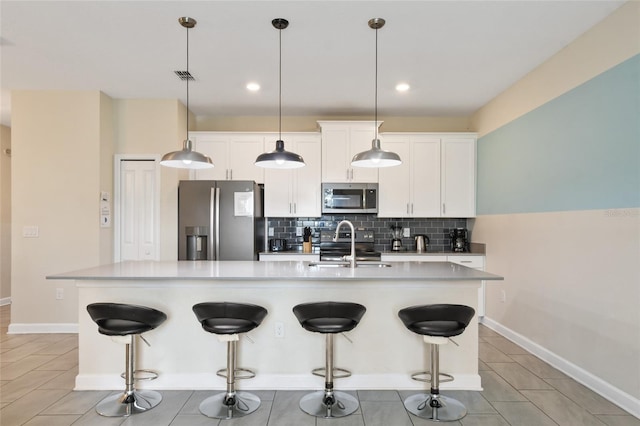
[[436, 229]]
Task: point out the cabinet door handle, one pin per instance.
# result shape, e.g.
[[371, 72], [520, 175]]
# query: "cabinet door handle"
[[347, 174], [351, 174], [226, 174], [444, 208], [407, 208], [230, 174], [411, 208], [295, 208]]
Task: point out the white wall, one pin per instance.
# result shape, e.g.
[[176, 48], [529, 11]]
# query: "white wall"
[[155, 127], [571, 276], [63, 150], [309, 124], [5, 215], [56, 180]]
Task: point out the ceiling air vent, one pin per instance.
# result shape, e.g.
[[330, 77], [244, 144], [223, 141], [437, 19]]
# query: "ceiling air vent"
[[184, 75]]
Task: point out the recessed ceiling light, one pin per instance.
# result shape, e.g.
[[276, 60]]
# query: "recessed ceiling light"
[[402, 87], [253, 87]]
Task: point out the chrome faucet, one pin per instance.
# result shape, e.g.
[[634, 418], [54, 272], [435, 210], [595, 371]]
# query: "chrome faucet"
[[352, 258]]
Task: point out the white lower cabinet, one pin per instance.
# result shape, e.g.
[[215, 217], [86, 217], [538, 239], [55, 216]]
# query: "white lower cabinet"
[[475, 262], [287, 257], [412, 258]]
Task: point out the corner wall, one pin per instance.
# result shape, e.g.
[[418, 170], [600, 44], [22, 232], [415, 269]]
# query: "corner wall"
[[56, 183], [559, 208], [5, 216]]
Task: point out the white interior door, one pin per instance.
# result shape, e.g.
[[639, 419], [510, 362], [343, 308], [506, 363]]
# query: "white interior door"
[[137, 233]]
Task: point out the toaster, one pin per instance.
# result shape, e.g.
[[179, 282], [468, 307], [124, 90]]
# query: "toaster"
[[277, 244]]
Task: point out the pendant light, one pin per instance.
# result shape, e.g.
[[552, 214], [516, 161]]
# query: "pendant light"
[[186, 158], [376, 157], [280, 159]]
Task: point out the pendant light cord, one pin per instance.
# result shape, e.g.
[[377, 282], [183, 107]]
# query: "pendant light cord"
[[280, 87], [188, 76], [376, 89]]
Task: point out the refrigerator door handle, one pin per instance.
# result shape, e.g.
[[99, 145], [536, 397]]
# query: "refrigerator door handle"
[[211, 255], [217, 205]]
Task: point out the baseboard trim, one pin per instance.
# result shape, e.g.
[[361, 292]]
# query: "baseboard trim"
[[43, 328], [274, 381], [5, 301], [579, 374]]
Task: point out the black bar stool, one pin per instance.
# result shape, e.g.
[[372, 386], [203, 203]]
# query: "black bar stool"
[[437, 323], [329, 318], [227, 320], [118, 319]]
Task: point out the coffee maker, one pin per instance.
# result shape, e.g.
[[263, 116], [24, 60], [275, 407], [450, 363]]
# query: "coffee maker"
[[396, 240], [459, 240]]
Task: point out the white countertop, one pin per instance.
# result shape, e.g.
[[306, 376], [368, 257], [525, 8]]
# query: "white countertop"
[[263, 271]]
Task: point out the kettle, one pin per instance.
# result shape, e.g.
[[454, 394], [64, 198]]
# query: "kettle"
[[422, 241]]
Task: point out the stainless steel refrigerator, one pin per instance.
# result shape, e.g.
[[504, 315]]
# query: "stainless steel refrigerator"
[[220, 220]]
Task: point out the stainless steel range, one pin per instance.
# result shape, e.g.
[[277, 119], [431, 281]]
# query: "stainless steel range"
[[336, 250]]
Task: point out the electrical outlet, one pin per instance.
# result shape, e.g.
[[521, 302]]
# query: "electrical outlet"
[[271, 231], [59, 293], [279, 329], [406, 232], [298, 231], [503, 296]]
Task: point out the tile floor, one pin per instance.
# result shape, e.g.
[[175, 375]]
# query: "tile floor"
[[37, 374]]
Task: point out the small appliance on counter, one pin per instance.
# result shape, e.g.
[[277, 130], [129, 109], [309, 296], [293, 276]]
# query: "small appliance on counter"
[[396, 240], [459, 240], [422, 241], [277, 244]]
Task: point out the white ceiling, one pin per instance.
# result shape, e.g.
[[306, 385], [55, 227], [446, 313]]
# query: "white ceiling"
[[456, 55]]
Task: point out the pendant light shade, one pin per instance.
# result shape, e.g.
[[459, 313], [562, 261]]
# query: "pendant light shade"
[[376, 157], [280, 158], [186, 158]]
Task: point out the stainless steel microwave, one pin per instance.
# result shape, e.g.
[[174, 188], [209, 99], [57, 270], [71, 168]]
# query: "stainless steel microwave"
[[349, 198]]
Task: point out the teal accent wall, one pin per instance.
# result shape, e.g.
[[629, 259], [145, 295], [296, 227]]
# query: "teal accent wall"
[[579, 151]]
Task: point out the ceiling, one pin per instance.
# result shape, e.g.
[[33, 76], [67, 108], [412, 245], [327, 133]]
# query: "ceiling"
[[455, 55]]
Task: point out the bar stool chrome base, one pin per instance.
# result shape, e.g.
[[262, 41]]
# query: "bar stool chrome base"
[[243, 403], [128, 403], [437, 408], [314, 404]]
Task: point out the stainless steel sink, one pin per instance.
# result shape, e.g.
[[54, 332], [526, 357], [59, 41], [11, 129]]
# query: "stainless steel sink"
[[335, 264]]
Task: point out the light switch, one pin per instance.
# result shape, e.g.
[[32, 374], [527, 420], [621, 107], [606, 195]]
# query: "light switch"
[[406, 232], [30, 231]]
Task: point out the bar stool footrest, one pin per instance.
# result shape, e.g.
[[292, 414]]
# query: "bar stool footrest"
[[425, 376], [238, 373], [141, 375], [338, 373]]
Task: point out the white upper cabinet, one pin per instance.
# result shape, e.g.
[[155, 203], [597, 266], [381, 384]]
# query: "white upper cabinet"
[[458, 184], [413, 188], [233, 155], [295, 192], [341, 140], [436, 179]]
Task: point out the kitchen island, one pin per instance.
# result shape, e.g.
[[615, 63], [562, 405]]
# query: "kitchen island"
[[382, 356]]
